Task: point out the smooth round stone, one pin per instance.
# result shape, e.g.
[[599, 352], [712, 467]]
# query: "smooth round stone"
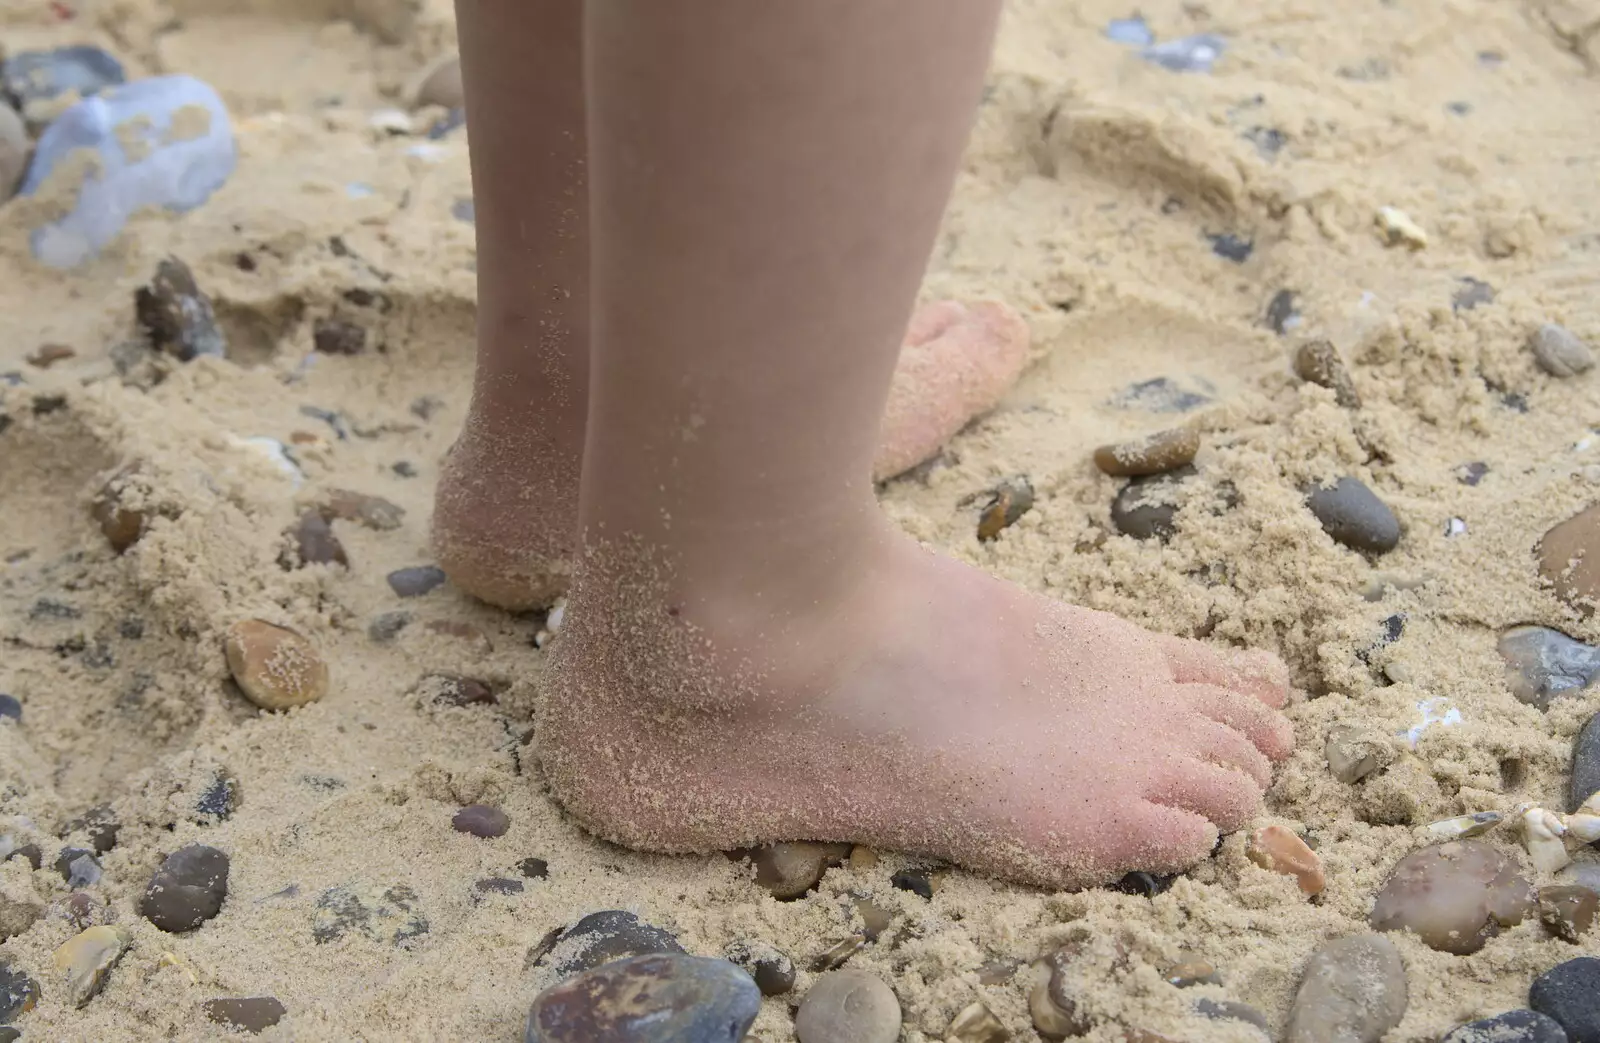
[[609, 935], [772, 971], [481, 820], [1542, 663], [848, 1007], [84, 960], [1318, 362], [1154, 454], [187, 890], [10, 708], [1454, 896], [275, 667], [252, 1014], [159, 142], [1569, 557], [1585, 781], [1146, 508], [1560, 352], [14, 149], [1354, 516], [1568, 910], [1514, 1026], [659, 998], [1353, 991], [789, 870], [416, 581], [1570, 993]]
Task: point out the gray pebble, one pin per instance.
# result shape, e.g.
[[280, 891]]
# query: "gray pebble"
[[1514, 1026], [1471, 293], [416, 581], [1570, 993], [18, 993], [848, 1007], [1542, 663], [1560, 352], [1144, 509], [481, 820], [1585, 764], [187, 890], [1162, 395], [78, 867], [606, 936], [178, 317], [386, 626], [1354, 516], [655, 998], [219, 800], [1282, 312], [1353, 991], [252, 1014]]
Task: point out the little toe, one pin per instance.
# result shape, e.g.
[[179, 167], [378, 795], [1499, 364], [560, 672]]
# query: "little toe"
[[1268, 729], [1228, 797], [1226, 748], [1259, 674], [1157, 838]]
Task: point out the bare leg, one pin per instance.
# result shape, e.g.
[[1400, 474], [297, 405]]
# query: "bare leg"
[[751, 652]]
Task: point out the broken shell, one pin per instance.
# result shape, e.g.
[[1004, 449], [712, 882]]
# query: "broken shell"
[[1051, 1021], [977, 1024], [1153, 454], [1464, 826], [1398, 228], [1278, 848], [84, 960], [836, 955], [1541, 834]]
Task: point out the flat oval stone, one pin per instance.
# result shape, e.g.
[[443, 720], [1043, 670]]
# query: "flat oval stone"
[[163, 142], [1542, 663], [1354, 516], [1514, 1026], [1560, 352], [1569, 557], [187, 890], [416, 581], [275, 667], [1454, 896], [603, 937], [1585, 764], [84, 960], [1154, 454], [848, 1007], [252, 1014], [658, 998], [1146, 508], [1568, 910], [481, 820], [1570, 993], [1318, 362], [788, 870], [1353, 991]]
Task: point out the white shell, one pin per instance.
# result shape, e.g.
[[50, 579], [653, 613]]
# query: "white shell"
[[1541, 834], [1463, 826]]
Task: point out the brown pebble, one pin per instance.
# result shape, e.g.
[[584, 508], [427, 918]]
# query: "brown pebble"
[[275, 667], [122, 525], [1318, 362], [178, 317], [441, 85], [875, 919], [337, 337], [1154, 454], [454, 690], [1192, 970], [1278, 848], [862, 858], [374, 512], [314, 542], [481, 820], [48, 355], [1569, 557], [1454, 896], [1568, 910], [789, 870], [1011, 500], [253, 1014]]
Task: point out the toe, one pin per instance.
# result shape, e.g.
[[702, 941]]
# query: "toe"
[[1226, 748], [1156, 838], [1256, 673], [1268, 729], [1229, 798]]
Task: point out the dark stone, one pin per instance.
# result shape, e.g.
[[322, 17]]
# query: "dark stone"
[[1282, 311], [1144, 508], [1232, 248], [101, 826], [448, 122], [220, 799], [404, 468], [39, 75], [1585, 764], [534, 868], [1354, 516], [1471, 293], [314, 542], [389, 915], [1393, 628], [464, 210], [386, 626], [10, 707], [1161, 395], [254, 1014], [78, 867], [772, 971], [606, 936], [1012, 499], [1141, 883], [454, 690], [416, 581], [1514, 1026], [18, 993], [424, 407], [1542, 663], [498, 885], [177, 317], [656, 998], [1568, 910], [919, 881], [1472, 473], [337, 337], [1570, 993], [30, 852], [481, 820], [187, 890]]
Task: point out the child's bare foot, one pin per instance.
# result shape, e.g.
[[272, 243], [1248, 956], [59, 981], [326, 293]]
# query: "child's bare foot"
[[919, 706], [505, 515]]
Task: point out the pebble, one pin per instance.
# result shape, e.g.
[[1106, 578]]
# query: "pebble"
[[18, 993], [78, 867], [218, 801], [252, 1014], [1278, 849], [1318, 362], [1229, 1010], [1354, 752], [386, 626], [1052, 1001], [1153, 454], [603, 937], [921, 881], [338, 337], [1196, 53], [656, 998], [455, 690], [499, 885], [1454, 896], [1569, 557], [481, 820], [315, 543], [1465, 827], [1231, 247], [416, 581], [1568, 910], [1143, 884], [976, 1023], [1133, 32], [10, 708], [1542, 663], [1471, 293], [1585, 781], [839, 953], [14, 146], [1283, 312], [848, 1007], [275, 667], [164, 141], [1514, 1026], [83, 962], [99, 824], [1560, 352], [534, 868], [773, 972], [1570, 993], [1190, 971], [389, 915], [1353, 991], [176, 316], [1354, 516], [33, 76], [1162, 395], [441, 85], [789, 870], [374, 512], [1472, 473], [187, 890], [1011, 500], [121, 525], [1399, 230], [1144, 508], [875, 919]]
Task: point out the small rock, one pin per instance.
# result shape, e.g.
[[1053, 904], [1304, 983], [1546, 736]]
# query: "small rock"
[[1471, 473], [1228, 1010], [1353, 991], [1058, 980], [1278, 849], [1012, 499], [1230, 247], [481, 820], [18, 993], [839, 953], [163, 142], [252, 1014], [34, 76], [848, 1007], [772, 971], [100, 824], [499, 885], [1143, 884], [1570, 993], [1585, 781], [648, 999], [10, 708], [1566, 561], [789, 870], [919, 880], [1560, 352], [1196, 53], [1161, 395], [416, 581], [121, 524], [219, 800], [1568, 910], [1153, 454], [78, 867], [404, 468], [441, 85], [337, 337], [1354, 753], [606, 936], [80, 910], [1399, 230], [1190, 971], [14, 147], [534, 868], [388, 915], [1465, 827], [1146, 507], [30, 853], [176, 316], [187, 890], [1354, 516], [1542, 663], [386, 626], [20, 904], [976, 1023], [1133, 32], [1471, 293], [83, 962], [1318, 362], [1514, 1026], [454, 690], [374, 512], [275, 667], [314, 542], [1454, 896], [1282, 312]]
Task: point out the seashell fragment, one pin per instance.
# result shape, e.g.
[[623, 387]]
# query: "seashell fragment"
[[1463, 827]]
